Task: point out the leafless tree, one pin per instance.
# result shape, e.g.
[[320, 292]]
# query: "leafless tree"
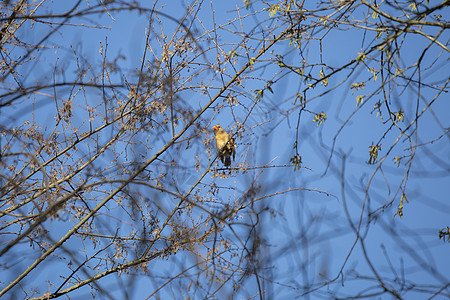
[[110, 182]]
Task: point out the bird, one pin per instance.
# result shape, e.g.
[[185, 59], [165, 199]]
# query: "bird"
[[225, 145]]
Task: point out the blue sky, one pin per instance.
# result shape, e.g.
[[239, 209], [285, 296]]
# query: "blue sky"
[[300, 228]]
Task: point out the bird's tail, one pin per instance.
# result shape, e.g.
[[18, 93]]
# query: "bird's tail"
[[227, 161]]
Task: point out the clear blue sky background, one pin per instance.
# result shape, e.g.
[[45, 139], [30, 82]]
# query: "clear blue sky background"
[[329, 238]]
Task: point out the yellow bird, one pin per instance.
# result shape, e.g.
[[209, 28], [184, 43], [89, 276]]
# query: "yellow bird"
[[225, 145]]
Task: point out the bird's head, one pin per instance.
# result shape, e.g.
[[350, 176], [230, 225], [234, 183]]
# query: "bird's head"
[[217, 127]]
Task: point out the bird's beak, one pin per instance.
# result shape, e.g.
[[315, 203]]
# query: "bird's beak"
[[215, 128]]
